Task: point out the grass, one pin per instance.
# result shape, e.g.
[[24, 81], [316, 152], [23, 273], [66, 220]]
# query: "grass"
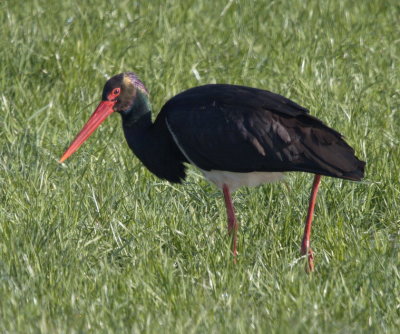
[[99, 245]]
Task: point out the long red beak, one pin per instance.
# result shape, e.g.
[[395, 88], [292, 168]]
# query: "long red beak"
[[104, 109]]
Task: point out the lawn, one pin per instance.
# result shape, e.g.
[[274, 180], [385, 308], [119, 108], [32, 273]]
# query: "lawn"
[[100, 245]]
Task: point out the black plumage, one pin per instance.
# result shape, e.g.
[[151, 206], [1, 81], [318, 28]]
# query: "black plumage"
[[242, 129]]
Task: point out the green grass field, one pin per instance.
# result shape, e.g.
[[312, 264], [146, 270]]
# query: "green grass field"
[[99, 245]]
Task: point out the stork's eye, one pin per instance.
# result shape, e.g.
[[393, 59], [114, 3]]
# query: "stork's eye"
[[114, 94]]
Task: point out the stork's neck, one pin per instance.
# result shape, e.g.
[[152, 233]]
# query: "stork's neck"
[[137, 125], [152, 142], [140, 107], [140, 135]]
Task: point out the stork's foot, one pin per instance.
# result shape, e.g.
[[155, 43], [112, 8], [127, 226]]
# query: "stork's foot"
[[234, 257], [310, 258], [305, 244], [232, 232]]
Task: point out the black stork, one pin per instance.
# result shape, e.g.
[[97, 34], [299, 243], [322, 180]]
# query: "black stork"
[[237, 136]]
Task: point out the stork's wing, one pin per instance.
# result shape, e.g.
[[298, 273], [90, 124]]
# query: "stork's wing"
[[242, 129]]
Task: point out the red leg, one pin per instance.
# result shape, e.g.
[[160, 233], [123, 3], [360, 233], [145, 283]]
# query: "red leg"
[[232, 222], [305, 245]]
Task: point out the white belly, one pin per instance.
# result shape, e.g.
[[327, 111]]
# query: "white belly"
[[235, 180]]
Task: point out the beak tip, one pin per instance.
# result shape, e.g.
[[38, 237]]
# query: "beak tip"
[[62, 159]]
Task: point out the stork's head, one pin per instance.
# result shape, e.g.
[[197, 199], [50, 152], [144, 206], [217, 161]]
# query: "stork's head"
[[119, 94]]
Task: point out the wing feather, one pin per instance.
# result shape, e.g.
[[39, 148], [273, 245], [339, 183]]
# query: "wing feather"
[[242, 129]]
